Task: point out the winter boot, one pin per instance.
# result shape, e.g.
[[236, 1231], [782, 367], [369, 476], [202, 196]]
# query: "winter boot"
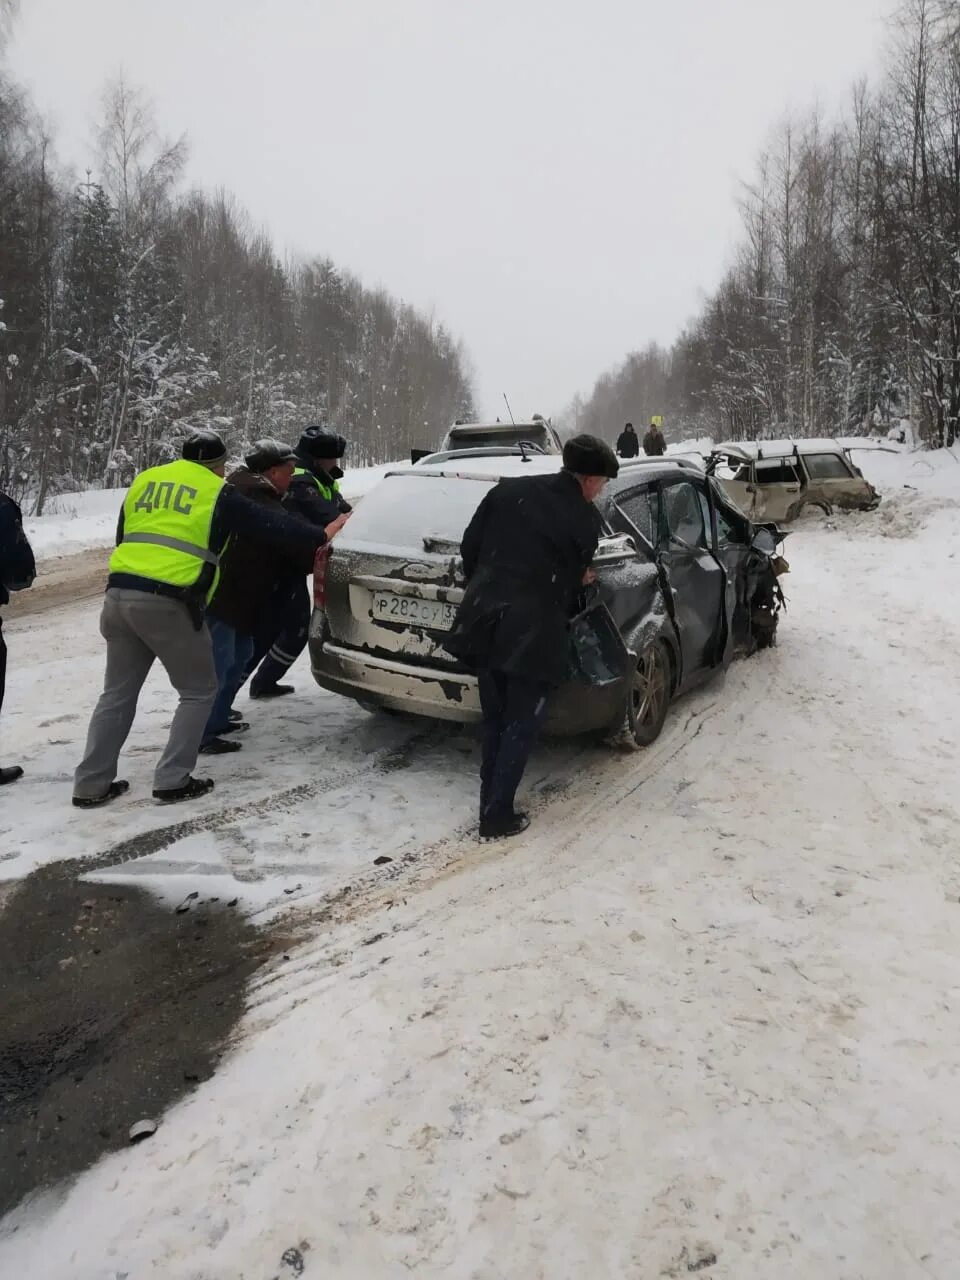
[[192, 789], [118, 788], [219, 747], [271, 691], [514, 824]]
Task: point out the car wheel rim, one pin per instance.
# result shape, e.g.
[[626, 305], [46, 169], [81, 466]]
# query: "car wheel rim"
[[649, 687]]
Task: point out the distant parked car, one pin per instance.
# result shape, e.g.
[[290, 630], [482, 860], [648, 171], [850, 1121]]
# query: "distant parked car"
[[781, 479], [684, 581], [485, 435]]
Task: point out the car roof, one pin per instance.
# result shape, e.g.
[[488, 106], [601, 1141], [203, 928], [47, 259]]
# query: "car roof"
[[479, 451], [489, 466], [503, 466], [751, 449], [534, 424]]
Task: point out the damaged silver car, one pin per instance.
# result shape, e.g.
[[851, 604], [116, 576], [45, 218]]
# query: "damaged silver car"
[[684, 582], [783, 479]]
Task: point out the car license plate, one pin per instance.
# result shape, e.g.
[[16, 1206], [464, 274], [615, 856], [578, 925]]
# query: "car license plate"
[[433, 615]]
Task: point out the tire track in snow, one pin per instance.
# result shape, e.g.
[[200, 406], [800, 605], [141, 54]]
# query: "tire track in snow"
[[132, 848], [278, 990]]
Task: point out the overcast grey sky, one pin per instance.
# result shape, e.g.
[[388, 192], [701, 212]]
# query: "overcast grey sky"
[[555, 178]]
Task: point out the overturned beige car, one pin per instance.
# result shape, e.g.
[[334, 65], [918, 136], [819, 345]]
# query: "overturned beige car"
[[783, 479]]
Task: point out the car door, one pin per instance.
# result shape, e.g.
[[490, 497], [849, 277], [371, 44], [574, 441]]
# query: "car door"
[[635, 596], [831, 480], [696, 580], [777, 483], [733, 536]]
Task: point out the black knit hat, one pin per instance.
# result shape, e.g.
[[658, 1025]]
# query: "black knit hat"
[[321, 442], [588, 456], [204, 446], [265, 454]]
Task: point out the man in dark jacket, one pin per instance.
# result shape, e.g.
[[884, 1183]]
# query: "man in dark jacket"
[[313, 495], [17, 571], [249, 572], [628, 442], [526, 555], [654, 444]]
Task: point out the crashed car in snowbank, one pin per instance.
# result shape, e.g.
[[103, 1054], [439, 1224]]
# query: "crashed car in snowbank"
[[684, 582], [782, 479]]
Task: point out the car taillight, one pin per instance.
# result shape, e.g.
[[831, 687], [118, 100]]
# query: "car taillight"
[[321, 563]]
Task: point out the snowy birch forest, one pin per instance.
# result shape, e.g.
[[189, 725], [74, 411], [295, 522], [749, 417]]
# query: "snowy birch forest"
[[132, 310], [841, 311]]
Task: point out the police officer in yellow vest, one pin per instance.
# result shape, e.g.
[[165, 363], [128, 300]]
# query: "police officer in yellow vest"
[[314, 495], [174, 524]]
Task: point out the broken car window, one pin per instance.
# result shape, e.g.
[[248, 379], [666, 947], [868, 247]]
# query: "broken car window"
[[826, 466], [777, 471], [642, 509], [682, 505]]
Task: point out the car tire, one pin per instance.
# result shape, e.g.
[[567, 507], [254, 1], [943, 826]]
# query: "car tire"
[[808, 509], [648, 699]]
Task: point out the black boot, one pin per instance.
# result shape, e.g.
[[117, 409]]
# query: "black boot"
[[118, 788], [493, 828], [10, 775], [271, 691], [192, 789], [219, 747]]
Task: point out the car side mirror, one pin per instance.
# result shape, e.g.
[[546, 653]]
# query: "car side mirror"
[[763, 540]]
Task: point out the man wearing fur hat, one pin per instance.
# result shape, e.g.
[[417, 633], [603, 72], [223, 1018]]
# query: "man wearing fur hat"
[[526, 555], [314, 495]]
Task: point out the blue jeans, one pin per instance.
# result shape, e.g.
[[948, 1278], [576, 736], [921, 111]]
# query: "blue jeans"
[[232, 650]]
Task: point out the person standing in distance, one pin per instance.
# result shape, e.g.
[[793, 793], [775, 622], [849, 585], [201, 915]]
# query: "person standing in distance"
[[173, 527], [628, 442], [314, 495], [17, 572], [526, 555], [654, 443]]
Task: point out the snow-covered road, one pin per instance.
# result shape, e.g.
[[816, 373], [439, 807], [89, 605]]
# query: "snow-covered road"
[[704, 1019]]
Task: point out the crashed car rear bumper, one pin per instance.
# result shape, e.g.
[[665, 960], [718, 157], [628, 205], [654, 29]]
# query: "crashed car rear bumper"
[[398, 686], [574, 708]]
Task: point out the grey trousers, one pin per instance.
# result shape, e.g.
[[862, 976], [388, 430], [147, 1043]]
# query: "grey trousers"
[[139, 627]]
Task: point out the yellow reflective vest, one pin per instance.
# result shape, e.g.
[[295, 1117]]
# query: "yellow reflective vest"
[[167, 519], [326, 490]]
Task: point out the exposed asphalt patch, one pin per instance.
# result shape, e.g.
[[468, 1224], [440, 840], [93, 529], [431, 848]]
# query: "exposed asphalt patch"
[[114, 1006]]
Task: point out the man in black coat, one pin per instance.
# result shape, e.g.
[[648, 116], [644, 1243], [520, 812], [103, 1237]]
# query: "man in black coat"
[[17, 571], [250, 570], [654, 442], [526, 555], [313, 495], [628, 442]]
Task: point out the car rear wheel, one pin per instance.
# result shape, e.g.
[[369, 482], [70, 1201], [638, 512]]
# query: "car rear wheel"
[[809, 511], [648, 699]]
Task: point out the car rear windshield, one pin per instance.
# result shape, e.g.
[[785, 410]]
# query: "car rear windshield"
[[414, 514], [462, 438]]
